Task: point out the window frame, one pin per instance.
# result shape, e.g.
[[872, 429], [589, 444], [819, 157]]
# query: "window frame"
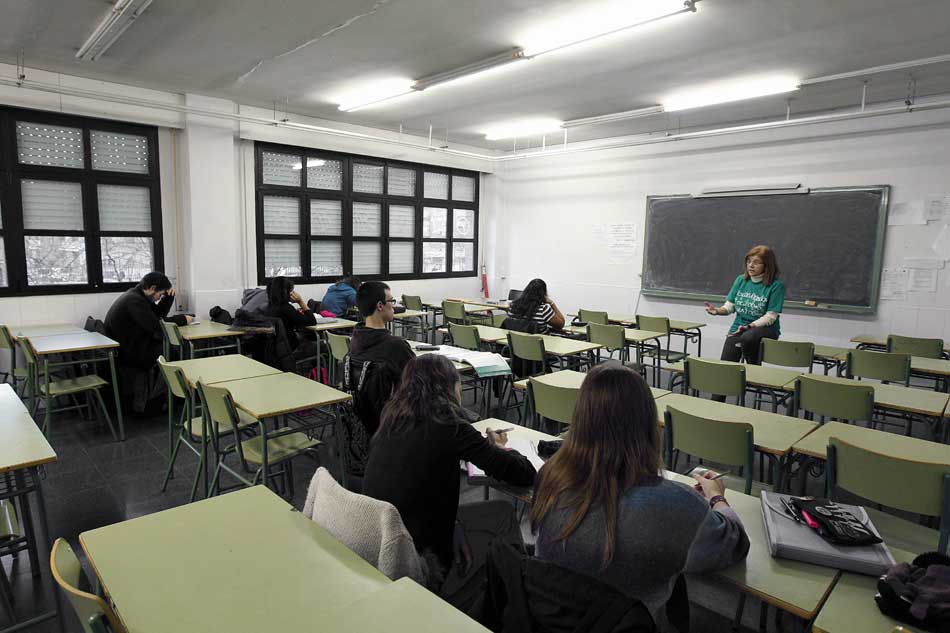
[[347, 197], [12, 174]]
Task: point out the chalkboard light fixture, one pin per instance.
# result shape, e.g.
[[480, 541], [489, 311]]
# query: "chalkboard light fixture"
[[753, 190]]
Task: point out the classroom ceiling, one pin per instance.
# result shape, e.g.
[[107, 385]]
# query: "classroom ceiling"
[[305, 54]]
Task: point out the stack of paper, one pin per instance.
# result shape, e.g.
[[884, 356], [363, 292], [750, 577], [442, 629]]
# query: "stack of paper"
[[485, 364], [526, 447]]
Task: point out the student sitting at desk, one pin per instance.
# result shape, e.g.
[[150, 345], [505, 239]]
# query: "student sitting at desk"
[[280, 295], [414, 465], [535, 305], [602, 507], [341, 296]]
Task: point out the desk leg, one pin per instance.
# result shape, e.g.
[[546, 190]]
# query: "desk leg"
[[115, 393], [340, 446], [237, 340]]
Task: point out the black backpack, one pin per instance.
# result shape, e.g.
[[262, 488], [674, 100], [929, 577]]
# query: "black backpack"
[[900, 590], [220, 315], [371, 383]]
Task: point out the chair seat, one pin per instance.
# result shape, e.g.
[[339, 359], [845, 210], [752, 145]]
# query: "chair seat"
[[20, 373], [904, 534], [73, 385], [246, 420], [278, 448], [669, 356]]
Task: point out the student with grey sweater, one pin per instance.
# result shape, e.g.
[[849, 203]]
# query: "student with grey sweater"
[[602, 506]]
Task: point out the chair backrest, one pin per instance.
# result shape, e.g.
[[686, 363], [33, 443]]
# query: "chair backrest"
[[610, 336], [174, 378], [553, 403], [453, 310], [339, 345], [878, 365], [6, 339], [172, 335], [68, 574], [731, 443], [909, 485], [465, 336], [27, 348], [498, 318], [526, 347], [514, 294], [923, 347], [788, 353], [834, 399], [412, 302], [592, 316], [219, 406], [653, 324], [717, 378]]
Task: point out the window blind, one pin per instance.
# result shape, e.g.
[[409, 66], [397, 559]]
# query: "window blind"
[[52, 206], [366, 258], [326, 217], [50, 145], [112, 151], [281, 215], [123, 208]]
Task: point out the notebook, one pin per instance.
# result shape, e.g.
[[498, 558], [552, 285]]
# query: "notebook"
[[526, 447], [322, 320]]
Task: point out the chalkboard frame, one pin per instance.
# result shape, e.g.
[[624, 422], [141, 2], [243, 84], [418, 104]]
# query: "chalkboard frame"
[[879, 237]]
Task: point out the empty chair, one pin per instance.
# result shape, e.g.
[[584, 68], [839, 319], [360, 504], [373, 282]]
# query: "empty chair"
[[715, 377], [93, 612], [19, 374], [465, 336], [454, 312], [514, 294], [550, 402], [923, 347], [881, 366], [833, 399], [915, 486], [413, 325], [592, 316], [659, 352], [788, 353], [611, 337], [172, 339], [527, 359], [339, 346], [729, 443]]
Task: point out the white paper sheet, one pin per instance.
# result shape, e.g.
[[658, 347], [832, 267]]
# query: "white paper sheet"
[[621, 243], [941, 245], [906, 213], [920, 280], [923, 263], [937, 208], [894, 284]]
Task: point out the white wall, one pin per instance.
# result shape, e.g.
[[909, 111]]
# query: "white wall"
[[550, 204]]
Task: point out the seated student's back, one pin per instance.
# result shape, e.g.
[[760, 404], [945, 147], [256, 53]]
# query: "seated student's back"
[[536, 306], [341, 296]]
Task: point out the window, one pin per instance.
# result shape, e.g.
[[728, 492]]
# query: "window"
[[320, 214], [79, 203]]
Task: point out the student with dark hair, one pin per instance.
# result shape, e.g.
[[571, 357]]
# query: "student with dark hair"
[[280, 295], [414, 465], [535, 305], [341, 296], [602, 507]]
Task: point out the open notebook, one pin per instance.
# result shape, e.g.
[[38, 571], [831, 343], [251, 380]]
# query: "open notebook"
[[528, 448]]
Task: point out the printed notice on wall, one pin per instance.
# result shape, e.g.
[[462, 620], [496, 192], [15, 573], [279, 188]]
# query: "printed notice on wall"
[[922, 280], [941, 245], [906, 213], [621, 243], [894, 284], [937, 208]]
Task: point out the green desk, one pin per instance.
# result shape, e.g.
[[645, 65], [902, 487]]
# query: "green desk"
[[339, 324], [572, 380], [278, 394], [205, 331], [482, 304], [689, 330], [48, 329], [23, 451], [222, 368], [815, 444], [460, 367], [241, 562], [869, 341], [830, 357], [771, 380]]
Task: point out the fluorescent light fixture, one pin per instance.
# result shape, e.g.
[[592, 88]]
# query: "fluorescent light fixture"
[[113, 25], [614, 117], [521, 129], [374, 92], [468, 71], [599, 20], [311, 162], [728, 91]]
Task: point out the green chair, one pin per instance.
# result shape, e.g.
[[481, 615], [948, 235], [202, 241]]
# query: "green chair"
[[914, 486], [19, 374], [592, 316], [833, 400], [883, 366], [552, 403], [658, 352], [48, 390], [465, 336], [527, 357], [412, 302], [93, 612], [172, 339], [497, 318], [339, 346], [257, 455], [787, 353], [923, 347], [454, 312], [413, 325], [715, 377], [729, 443], [611, 337]]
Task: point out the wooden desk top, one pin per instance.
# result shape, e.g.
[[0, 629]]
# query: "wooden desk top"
[[256, 563], [214, 369], [827, 352], [631, 320], [48, 329], [815, 444], [881, 341], [898, 398], [205, 330], [572, 380], [410, 314], [629, 334], [339, 324], [480, 303], [773, 433], [74, 342], [277, 394], [756, 375], [932, 366], [22, 443], [460, 367]]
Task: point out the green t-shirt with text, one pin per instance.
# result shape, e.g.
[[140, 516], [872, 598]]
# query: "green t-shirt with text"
[[753, 299]]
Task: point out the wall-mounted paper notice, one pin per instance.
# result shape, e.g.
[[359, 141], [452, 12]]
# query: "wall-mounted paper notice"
[[924, 263], [894, 284], [937, 208], [941, 245], [599, 232], [906, 213], [621, 243], [921, 280]]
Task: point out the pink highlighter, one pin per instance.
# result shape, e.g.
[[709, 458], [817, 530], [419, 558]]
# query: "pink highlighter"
[[810, 522]]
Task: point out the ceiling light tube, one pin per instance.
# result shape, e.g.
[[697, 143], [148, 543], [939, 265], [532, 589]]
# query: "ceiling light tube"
[[611, 118], [469, 70], [113, 25], [521, 129], [729, 91]]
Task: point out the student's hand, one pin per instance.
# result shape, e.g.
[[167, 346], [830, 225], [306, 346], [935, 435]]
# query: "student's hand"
[[711, 309], [189, 319], [295, 297], [707, 486], [741, 329], [170, 292], [496, 439]]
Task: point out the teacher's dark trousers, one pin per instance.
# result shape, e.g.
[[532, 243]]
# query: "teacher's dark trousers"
[[748, 345]]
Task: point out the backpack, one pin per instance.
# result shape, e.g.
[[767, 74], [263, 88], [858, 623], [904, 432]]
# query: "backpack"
[[917, 593], [220, 315], [371, 383]]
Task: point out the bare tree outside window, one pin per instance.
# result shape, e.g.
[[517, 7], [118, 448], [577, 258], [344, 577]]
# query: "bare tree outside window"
[[55, 259], [126, 259]]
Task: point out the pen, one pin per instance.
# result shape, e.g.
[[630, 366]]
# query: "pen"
[[502, 430], [722, 474]]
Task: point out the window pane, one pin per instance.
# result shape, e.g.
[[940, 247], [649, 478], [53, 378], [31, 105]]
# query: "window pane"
[[464, 221], [367, 178], [367, 258], [52, 205], [112, 151], [462, 258], [402, 221], [433, 222], [400, 258], [3, 264], [51, 260], [124, 208], [326, 217], [282, 258], [126, 258], [324, 174], [367, 219], [281, 169], [463, 188], [281, 215], [53, 145], [402, 182], [326, 259], [433, 257], [435, 185]]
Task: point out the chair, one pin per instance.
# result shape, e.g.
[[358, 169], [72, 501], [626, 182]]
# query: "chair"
[[657, 352], [454, 312], [465, 336], [514, 294], [730, 443], [172, 338], [592, 316], [612, 337], [833, 400], [412, 302], [498, 318], [550, 402], [787, 353], [883, 366], [715, 377], [339, 346], [527, 359], [48, 389], [19, 374], [923, 347], [93, 612], [256, 454], [915, 486], [413, 325]]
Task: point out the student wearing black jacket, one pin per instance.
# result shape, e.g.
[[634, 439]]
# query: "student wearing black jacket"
[[280, 295]]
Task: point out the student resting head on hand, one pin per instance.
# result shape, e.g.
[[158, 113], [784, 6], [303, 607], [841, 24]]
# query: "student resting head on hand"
[[534, 304]]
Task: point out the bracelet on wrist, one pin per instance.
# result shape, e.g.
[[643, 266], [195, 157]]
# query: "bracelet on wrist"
[[717, 499]]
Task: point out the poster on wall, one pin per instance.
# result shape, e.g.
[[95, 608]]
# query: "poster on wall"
[[621, 243]]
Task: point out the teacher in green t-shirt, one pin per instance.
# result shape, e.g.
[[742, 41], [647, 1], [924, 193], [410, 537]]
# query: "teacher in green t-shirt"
[[757, 297]]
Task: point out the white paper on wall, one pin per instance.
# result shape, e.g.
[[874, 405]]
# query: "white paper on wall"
[[941, 245], [621, 243], [922, 280], [906, 213], [923, 263], [937, 208], [894, 284]]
